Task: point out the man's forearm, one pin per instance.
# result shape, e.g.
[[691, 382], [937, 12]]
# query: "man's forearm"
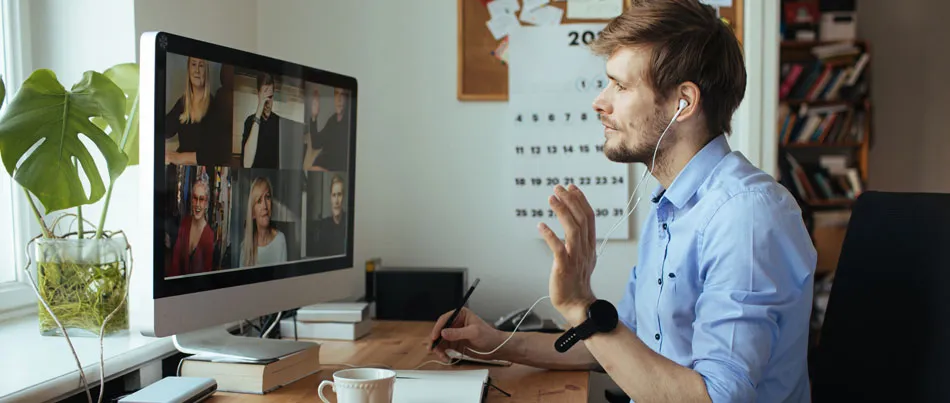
[[250, 147], [537, 350], [643, 374]]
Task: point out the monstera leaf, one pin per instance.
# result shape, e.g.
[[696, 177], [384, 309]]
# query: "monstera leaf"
[[44, 115], [126, 76]]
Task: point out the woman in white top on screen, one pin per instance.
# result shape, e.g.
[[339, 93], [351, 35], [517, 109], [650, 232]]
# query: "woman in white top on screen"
[[263, 243]]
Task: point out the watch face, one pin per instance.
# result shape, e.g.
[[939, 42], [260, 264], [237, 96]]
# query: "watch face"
[[603, 314]]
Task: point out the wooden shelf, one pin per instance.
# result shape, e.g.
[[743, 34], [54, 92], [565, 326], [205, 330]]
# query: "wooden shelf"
[[849, 144], [830, 203], [811, 44]]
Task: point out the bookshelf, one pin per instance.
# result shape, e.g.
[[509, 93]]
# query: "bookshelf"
[[824, 123]]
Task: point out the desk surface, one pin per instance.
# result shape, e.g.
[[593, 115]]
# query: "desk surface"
[[402, 345]]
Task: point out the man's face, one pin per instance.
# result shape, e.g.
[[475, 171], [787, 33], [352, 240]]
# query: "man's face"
[[268, 92], [336, 199], [339, 100], [632, 121]]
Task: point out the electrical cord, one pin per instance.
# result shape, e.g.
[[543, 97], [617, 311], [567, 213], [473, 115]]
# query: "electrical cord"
[[513, 332], [272, 325]]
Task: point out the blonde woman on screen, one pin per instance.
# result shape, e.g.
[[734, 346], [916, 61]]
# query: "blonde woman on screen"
[[263, 243], [187, 118]]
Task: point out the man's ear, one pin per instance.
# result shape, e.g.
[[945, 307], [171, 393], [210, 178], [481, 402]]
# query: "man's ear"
[[689, 92]]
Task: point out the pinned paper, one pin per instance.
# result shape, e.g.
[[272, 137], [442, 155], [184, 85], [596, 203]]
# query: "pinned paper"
[[501, 25], [501, 52], [533, 4], [545, 15], [498, 8], [594, 9], [717, 3]]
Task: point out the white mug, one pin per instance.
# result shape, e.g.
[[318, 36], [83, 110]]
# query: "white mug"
[[361, 385]]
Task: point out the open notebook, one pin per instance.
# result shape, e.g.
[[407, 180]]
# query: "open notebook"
[[458, 386]]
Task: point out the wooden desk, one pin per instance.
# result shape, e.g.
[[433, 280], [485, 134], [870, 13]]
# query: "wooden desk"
[[402, 345]]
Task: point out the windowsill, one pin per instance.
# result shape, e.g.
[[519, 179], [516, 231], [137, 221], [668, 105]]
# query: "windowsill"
[[42, 368]]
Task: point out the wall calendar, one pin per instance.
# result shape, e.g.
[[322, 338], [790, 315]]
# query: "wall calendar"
[[555, 134]]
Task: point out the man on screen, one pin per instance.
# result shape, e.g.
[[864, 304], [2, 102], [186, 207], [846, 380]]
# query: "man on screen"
[[331, 239], [333, 139], [261, 137]]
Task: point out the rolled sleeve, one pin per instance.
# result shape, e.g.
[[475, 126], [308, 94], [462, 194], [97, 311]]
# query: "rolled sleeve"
[[749, 283]]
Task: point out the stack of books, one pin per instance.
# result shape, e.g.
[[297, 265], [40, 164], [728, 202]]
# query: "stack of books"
[[253, 377], [331, 321]]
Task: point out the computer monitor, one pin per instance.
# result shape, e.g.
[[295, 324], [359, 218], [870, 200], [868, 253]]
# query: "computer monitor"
[[247, 167]]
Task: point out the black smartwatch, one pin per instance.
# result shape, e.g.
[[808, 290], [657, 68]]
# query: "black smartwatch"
[[601, 318]]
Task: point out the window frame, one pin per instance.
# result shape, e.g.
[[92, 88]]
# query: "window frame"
[[18, 295]]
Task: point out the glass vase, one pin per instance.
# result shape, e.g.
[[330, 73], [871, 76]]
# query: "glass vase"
[[83, 281]]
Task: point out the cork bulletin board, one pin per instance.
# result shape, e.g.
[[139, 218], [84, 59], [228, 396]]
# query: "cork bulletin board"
[[484, 77]]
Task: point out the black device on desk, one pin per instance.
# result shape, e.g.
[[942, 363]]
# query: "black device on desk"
[[533, 323]]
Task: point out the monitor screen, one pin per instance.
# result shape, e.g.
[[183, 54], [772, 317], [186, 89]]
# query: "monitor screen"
[[254, 162]]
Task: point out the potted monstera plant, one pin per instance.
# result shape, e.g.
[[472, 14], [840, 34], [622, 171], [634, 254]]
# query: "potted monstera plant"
[[50, 139]]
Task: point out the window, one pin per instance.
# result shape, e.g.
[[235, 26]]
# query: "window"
[[15, 227]]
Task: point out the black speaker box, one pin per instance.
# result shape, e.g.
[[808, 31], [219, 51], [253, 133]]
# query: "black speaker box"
[[418, 293]]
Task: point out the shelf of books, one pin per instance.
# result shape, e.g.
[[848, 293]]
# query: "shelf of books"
[[824, 125]]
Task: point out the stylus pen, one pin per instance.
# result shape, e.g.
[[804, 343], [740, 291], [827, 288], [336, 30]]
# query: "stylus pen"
[[456, 313]]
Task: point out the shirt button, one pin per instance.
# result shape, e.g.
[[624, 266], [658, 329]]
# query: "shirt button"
[[672, 275], [664, 226], [659, 281], [656, 336]]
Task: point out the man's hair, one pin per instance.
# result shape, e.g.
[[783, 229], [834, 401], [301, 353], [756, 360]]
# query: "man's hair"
[[264, 79], [337, 179], [688, 42]]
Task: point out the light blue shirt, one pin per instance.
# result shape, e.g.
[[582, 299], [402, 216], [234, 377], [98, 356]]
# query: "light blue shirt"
[[723, 282]]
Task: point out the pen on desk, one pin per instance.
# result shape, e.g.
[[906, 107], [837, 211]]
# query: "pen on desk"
[[455, 314]]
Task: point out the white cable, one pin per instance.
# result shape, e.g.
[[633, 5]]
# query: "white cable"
[[267, 332], [636, 189], [512, 332]]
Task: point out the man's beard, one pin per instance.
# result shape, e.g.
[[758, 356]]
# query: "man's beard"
[[651, 128]]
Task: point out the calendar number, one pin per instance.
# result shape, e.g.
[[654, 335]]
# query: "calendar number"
[[536, 181], [520, 181], [552, 181], [521, 212], [601, 212], [537, 213], [618, 212], [535, 150], [519, 150], [617, 180], [552, 149], [586, 37], [600, 148], [584, 148], [568, 149]]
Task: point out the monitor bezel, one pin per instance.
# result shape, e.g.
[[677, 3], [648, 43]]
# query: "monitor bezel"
[[171, 43]]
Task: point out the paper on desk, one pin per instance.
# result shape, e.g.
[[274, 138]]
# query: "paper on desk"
[[501, 25], [594, 9], [545, 15], [499, 8], [533, 4], [717, 3], [457, 386]]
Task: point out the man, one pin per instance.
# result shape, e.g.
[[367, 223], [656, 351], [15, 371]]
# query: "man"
[[261, 137], [331, 239], [718, 304], [333, 139]]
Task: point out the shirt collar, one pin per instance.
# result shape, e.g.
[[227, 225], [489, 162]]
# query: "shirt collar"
[[694, 173]]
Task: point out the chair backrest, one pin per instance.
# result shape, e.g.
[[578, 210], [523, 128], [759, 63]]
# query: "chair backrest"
[[886, 332]]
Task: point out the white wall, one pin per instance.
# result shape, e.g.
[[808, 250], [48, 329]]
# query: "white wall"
[[429, 168], [908, 93], [225, 22]]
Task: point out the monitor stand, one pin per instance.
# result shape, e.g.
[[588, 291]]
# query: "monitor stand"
[[218, 342]]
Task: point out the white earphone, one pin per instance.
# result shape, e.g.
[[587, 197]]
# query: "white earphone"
[[682, 105]]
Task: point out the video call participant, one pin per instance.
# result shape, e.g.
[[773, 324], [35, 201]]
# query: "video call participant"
[[333, 139], [263, 243], [261, 138], [194, 246], [197, 120], [331, 239]]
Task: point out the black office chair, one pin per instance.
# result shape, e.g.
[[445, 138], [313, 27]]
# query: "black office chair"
[[886, 332]]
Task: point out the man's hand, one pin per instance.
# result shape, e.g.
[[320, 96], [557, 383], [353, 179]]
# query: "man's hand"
[[264, 96], [575, 257], [469, 330]]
